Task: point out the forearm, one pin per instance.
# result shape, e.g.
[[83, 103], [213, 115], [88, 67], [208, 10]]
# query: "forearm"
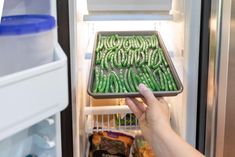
[[168, 144]]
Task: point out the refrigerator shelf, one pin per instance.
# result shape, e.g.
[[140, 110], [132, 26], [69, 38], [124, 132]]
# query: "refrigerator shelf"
[[29, 96], [110, 118]]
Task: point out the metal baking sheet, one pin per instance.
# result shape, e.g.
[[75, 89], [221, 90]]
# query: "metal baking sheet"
[[133, 94]]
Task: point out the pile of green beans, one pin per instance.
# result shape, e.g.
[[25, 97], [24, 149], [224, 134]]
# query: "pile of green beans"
[[123, 62]]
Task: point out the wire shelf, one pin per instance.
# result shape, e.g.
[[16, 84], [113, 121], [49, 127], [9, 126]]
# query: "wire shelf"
[[110, 118]]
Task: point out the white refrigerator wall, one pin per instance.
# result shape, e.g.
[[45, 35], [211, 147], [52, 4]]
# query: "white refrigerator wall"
[[181, 36]]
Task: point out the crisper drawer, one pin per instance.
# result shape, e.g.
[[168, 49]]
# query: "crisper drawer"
[[32, 95]]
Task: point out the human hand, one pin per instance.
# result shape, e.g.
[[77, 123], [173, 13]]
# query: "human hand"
[[153, 114]]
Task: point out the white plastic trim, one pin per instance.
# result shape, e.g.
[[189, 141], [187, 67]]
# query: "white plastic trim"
[[107, 110]]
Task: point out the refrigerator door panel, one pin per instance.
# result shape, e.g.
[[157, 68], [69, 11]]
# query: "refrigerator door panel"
[[1, 8], [29, 96], [42, 139], [220, 100]]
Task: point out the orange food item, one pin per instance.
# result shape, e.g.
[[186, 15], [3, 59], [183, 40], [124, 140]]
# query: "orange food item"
[[142, 148]]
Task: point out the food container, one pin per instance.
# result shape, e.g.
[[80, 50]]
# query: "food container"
[[26, 41], [107, 40]]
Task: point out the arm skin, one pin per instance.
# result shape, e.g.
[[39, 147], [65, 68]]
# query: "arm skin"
[[154, 120]]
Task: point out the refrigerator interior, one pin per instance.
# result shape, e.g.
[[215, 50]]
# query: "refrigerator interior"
[[180, 31], [33, 98]]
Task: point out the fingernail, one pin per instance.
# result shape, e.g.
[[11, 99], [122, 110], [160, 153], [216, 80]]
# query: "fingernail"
[[142, 87]]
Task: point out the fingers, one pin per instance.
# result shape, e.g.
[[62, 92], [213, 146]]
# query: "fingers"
[[140, 105], [147, 93], [138, 113]]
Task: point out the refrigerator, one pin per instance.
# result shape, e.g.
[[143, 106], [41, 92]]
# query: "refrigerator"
[[54, 115]]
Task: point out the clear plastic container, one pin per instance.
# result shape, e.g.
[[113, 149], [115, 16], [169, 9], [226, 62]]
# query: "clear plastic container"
[[26, 41]]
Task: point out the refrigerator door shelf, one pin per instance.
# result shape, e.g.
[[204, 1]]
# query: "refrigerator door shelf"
[[32, 95]]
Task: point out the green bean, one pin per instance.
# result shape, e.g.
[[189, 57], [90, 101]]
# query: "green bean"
[[129, 58], [112, 61], [115, 82], [171, 79], [106, 46], [122, 81], [103, 84], [124, 59], [119, 59], [118, 81], [131, 41], [161, 79], [120, 42], [147, 78], [115, 40], [111, 37], [97, 79], [107, 58], [137, 57], [143, 58], [165, 82], [153, 58], [132, 57], [133, 80], [98, 43], [156, 41], [103, 60], [141, 75], [159, 62], [130, 80], [170, 85], [155, 83], [126, 43], [150, 57], [97, 58], [136, 81], [116, 62], [126, 81], [153, 41], [163, 57], [107, 84]]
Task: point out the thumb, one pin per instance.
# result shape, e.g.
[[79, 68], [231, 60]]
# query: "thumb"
[[147, 93]]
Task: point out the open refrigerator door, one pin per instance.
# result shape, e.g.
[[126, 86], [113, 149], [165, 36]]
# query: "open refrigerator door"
[[180, 31], [33, 96], [1, 8]]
